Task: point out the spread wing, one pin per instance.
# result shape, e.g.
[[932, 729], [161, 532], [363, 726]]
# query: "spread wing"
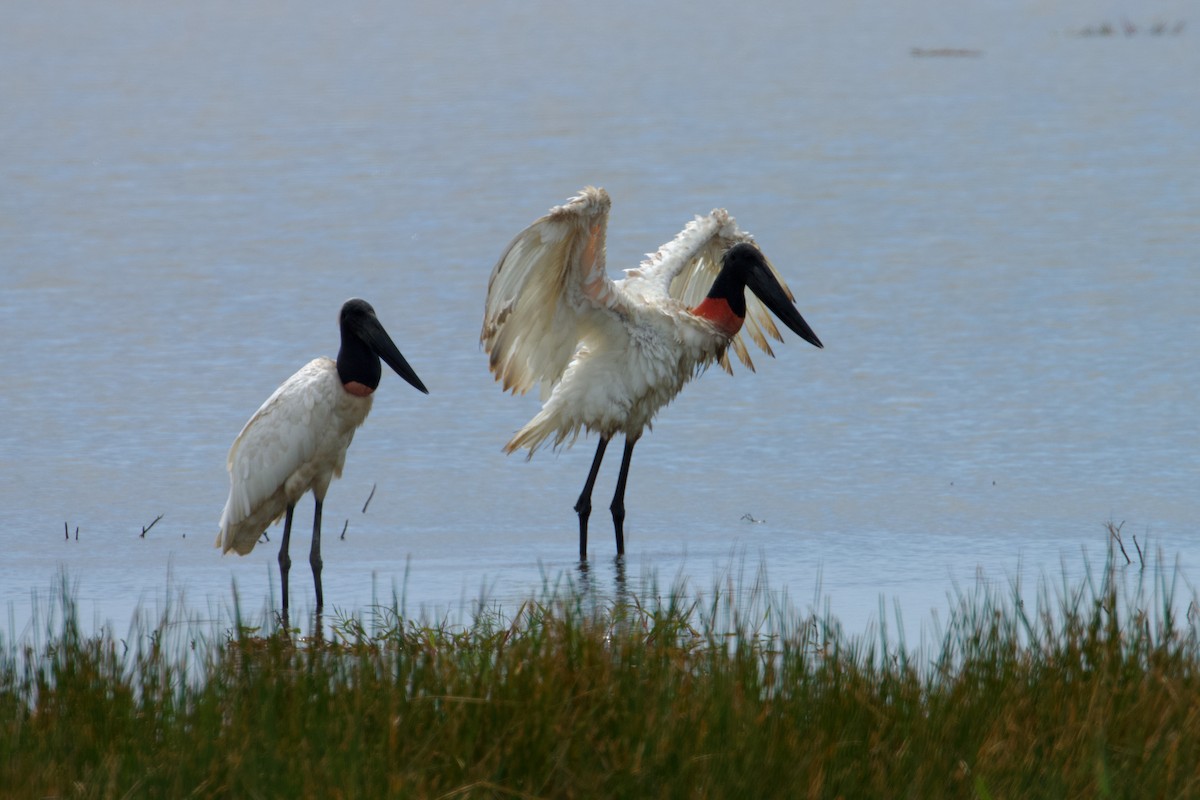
[[550, 281], [685, 268]]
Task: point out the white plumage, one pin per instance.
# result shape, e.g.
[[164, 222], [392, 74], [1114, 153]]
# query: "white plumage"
[[609, 354], [297, 440]]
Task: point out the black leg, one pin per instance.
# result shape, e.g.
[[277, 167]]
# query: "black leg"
[[314, 555], [618, 503], [583, 506], [285, 561]]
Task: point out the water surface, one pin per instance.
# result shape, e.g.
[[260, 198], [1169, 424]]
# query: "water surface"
[[998, 252]]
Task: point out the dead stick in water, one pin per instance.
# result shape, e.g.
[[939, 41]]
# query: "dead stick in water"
[[1115, 532], [372, 494], [146, 528], [343, 536]]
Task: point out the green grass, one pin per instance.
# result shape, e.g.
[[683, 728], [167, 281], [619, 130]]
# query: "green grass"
[[1094, 693]]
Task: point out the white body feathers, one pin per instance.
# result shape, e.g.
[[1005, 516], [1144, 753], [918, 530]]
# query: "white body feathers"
[[295, 442]]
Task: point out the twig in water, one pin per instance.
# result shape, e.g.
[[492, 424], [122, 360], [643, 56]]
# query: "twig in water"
[[1115, 532], [77, 533], [343, 536], [750, 518], [66, 532], [372, 494], [1141, 555], [146, 528]]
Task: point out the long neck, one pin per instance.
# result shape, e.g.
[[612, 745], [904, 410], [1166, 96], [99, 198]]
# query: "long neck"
[[358, 366], [725, 305]]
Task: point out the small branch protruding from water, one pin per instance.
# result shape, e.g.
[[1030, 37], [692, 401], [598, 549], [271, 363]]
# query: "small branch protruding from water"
[[342, 538], [1141, 555], [372, 494], [66, 532], [748, 517], [146, 528], [1115, 532]]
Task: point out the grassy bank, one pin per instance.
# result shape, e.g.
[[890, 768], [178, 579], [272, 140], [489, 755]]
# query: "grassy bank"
[[1095, 693]]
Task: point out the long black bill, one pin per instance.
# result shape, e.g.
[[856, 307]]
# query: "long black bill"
[[761, 281], [377, 338]]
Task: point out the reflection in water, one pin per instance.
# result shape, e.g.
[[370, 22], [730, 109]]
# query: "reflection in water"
[[620, 591], [620, 594], [584, 570]]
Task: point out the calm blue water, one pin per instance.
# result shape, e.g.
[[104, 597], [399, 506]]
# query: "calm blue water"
[[999, 253]]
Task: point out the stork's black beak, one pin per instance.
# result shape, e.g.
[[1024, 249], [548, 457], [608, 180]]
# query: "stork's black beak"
[[762, 281], [377, 338]]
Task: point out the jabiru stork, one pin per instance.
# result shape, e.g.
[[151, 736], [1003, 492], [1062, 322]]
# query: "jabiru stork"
[[297, 440], [609, 354]]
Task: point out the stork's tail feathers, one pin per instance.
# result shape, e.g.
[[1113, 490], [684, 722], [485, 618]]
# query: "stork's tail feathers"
[[538, 430], [240, 536]]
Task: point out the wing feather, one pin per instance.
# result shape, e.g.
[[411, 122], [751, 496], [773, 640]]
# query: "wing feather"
[[550, 279], [685, 268], [277, 441]]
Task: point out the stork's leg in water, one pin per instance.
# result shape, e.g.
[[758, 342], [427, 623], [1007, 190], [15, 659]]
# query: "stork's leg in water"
[[583, 506], [618, 503], [285, 561], [314, 555]]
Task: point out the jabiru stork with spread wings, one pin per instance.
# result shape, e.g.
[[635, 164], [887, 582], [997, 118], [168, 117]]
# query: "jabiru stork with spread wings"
[[609, 354]]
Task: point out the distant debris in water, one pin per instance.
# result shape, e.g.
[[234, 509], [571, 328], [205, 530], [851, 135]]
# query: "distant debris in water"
[[945, 52], [146, 528], [1158, 28], [750, 518]]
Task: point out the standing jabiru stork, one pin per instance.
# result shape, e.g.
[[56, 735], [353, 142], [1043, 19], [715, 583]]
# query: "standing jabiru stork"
[[609, 354], [298, 439]]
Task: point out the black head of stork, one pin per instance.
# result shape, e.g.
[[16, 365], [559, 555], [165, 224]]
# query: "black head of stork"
[[744, 267], [364, 342]]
